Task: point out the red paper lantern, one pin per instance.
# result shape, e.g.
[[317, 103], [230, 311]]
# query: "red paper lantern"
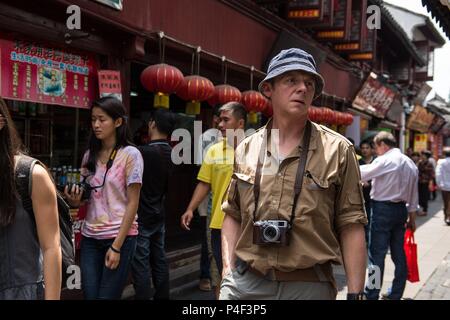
[[328, 115], [348, 118], [340, 118], [253, 101], [312, 114], [318, 114], [162, 79], [268, 111], [195, 89], [224, 93]]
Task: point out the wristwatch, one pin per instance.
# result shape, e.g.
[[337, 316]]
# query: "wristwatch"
[[356, 296]]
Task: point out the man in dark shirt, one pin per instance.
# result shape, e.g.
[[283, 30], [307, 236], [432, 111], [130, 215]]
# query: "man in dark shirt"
[[367, 152], [150, 252]]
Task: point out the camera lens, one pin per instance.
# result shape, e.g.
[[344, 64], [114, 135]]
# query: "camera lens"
[[271, 233]]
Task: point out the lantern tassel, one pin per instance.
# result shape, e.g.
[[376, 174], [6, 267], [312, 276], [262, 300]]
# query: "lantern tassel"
[[193, 108], [161, 100]]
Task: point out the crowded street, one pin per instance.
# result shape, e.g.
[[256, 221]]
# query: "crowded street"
[[233, 150]]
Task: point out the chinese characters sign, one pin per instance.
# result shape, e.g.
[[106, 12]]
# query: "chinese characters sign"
[[374, 97], [30, 72], [109, 83], [305, 9], [420, 119]]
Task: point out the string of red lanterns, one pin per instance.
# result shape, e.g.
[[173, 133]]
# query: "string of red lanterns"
[[330, 117]]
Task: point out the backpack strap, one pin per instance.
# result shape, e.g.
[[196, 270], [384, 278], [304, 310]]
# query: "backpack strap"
[[23, 172]]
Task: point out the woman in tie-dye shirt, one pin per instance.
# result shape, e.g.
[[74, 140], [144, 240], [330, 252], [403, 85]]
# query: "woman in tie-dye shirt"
[[110, 228]]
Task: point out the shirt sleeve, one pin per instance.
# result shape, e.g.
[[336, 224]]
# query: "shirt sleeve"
[[84, 171], [439, 181], [231, 200], [205, 173], [375, 169], [350, 200], [134, 167], [413, 199]]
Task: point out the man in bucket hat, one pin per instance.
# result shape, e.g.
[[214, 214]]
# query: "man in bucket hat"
[[294, 205]]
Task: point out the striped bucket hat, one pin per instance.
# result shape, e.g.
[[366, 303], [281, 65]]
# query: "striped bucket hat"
[[291, 60]]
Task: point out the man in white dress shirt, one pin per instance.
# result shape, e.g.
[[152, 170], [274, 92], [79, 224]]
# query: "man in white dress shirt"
[[443, 182], [394, 197]]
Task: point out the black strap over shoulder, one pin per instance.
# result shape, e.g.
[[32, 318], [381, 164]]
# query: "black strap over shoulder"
[[299, 175]]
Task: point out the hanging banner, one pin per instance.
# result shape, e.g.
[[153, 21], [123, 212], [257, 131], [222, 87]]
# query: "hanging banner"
[[358, 28], [420, 142], [420, 119], [374, 97], [109, 84], [31, 72], [305, 10], [368, 46], [340, 29], [437, 124]]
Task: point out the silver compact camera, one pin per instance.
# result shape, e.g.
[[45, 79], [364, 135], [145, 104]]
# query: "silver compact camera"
[[271, 232]]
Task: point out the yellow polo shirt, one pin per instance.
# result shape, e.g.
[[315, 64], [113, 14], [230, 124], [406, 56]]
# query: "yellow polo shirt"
[[216, 169]]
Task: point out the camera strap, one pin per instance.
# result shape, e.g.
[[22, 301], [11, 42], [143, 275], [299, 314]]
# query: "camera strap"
[[109, 164], [299, 175]]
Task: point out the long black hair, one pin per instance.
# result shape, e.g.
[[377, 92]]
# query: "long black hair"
[[10, 146], [115, 109]]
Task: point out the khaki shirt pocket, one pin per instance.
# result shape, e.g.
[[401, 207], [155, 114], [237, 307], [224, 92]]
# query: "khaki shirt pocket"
[[317, 197], [245, 184]]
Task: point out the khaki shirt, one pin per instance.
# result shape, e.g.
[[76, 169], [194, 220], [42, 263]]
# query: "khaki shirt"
[[331, 199]]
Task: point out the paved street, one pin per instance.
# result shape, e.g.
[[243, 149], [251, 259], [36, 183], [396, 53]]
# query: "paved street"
[[432, 237]]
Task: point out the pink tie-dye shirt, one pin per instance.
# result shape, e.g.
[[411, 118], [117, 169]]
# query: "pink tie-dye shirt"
[[107, 206]]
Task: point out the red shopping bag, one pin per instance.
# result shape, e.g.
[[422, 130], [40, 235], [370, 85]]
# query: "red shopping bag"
[[410, 247]]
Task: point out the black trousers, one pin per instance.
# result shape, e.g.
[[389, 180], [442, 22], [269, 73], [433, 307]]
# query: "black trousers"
[[424, 195]]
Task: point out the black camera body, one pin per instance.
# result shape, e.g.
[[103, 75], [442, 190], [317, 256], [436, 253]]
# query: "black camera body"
[[85, 187], [269, 232]]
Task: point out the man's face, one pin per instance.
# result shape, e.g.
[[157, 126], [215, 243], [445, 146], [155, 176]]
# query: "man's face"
[[291, 93], [366, 150], [381, 148], [227, 121]]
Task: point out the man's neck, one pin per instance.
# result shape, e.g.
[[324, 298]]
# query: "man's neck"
[[368, 159], [158, 136], [289, 129]]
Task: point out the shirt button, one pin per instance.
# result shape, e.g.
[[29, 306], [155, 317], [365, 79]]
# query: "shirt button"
[[279, 174]]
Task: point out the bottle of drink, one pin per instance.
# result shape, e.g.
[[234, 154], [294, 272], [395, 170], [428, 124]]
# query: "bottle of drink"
[[23, 108], [32, 109], [69, 175], [63, 176], [78, 175], [58, 176]]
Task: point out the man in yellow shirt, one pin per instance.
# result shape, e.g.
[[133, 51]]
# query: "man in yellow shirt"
[[215, 175]]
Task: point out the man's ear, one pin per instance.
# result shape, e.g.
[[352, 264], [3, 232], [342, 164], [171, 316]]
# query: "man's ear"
[[241, 123], [118, 122], [266, 89]]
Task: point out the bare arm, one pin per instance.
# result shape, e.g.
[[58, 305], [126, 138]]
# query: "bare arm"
[[200, 193], [112, 259], [231, 231], [353, 246], [43, 195]]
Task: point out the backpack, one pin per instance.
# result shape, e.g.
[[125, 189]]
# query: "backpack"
[[24, 168]]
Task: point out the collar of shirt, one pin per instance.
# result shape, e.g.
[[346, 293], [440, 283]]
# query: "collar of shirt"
[[273, 144], [158, 141]]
